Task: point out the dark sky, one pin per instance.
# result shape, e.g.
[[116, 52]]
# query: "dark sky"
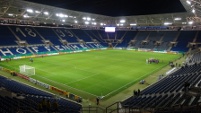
[[118, 7]]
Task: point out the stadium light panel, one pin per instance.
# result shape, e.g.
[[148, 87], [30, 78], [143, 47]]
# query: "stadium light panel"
[[94, 23], [134, 24], [37, 12], [88, 18], [122, 21], [177, 18], [84, 18], [30, 11], [61, 15], [167, 23], [102, 24], [183, 23], [76, 21], [190, 22], [87, 23], [46, 13], [10, 14], [25, 16], [120, 24], [63, 20], [193, 10], [188, 2]]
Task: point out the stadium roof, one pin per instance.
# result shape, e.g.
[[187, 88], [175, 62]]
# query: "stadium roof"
[[118, 7], [95, 13]]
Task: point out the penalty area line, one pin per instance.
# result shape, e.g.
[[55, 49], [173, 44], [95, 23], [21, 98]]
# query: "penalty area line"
[[68, 86], [51, 74]]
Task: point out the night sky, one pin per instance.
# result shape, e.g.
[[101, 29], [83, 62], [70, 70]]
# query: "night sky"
[[118, 8]]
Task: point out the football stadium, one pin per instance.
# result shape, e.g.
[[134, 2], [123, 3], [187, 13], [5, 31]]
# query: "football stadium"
[[100, 56]]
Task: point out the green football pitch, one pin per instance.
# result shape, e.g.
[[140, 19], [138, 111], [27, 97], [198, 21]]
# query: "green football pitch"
[[96, 73]]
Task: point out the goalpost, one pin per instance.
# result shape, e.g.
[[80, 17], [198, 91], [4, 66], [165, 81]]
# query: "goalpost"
[[27, 70]]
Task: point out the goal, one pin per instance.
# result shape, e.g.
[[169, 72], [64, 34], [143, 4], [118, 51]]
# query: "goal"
[[27, 70]]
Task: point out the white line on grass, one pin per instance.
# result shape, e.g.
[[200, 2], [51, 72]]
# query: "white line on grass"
[[60, 83], [74, 66], [85, 78], [82, 78], [68, 86], [132, 81]]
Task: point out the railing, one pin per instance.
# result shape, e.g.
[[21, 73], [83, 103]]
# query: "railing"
[[181, 109], [92, 109]]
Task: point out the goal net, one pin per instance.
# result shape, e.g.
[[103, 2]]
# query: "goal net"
[[27, 70]]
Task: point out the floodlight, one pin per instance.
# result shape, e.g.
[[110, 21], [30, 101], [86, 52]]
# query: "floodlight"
[[63, 20], [37, 11], [61, 15], [30, 10], [177, 18], [167, 23], [10, 14], [86, 22], [25, 16], [190, 22], [188, 2], [46, 13], [183, 23], [75, 21], [133, 24], [122, 21], [88, 18], [94, 23], [57, 14], [120, 24], [193, 10], [84, 18]]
